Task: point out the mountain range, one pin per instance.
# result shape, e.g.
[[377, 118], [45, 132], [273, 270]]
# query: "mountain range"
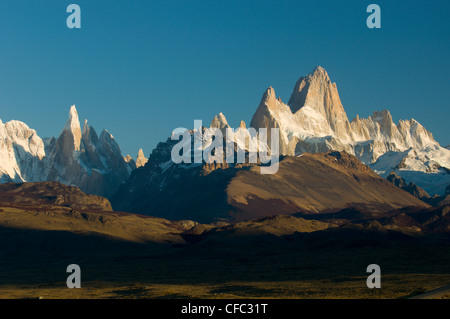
[[313, 121], [344, 194]]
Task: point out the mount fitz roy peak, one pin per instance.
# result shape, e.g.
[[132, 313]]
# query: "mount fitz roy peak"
[[77, 157], [314, 120]]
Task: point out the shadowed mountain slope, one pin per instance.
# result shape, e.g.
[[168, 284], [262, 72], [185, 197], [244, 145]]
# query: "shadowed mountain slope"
[[310, 183]]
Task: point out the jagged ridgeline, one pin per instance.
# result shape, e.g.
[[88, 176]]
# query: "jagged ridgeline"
[[313, 121]]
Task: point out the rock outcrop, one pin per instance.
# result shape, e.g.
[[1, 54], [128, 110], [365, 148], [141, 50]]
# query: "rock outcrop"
[[414, 190], [141, 160], [41, 194]]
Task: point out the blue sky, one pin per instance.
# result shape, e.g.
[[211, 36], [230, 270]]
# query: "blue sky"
[[143, 68]]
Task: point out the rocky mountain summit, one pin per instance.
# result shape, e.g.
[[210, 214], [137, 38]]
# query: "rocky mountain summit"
[[141, 160]]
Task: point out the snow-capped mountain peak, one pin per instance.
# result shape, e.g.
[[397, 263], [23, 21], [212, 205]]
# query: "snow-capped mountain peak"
[[219, 121], [21, 152]]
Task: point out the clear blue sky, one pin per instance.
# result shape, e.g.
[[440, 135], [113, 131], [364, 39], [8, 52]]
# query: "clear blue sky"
[[142, 68]]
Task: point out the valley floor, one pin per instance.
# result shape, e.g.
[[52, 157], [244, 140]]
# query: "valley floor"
[[303, 256], [299, 269], [398, 286]]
